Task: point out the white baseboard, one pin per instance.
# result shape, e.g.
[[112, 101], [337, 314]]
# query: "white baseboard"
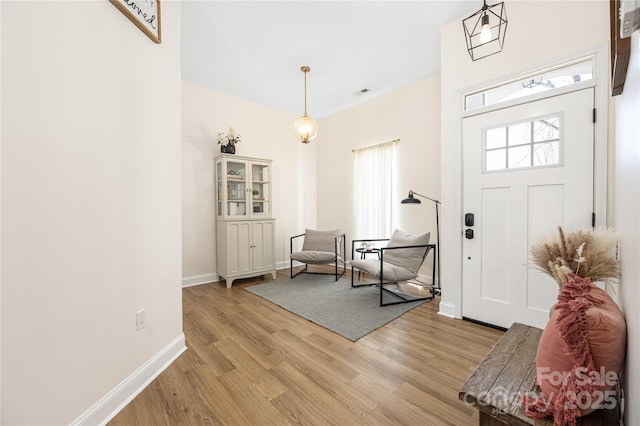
[[213, 276], [200, 279], [447, 309], [112, 403]]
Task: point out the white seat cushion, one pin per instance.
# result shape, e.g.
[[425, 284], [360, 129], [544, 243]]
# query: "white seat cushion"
[[390, 272], [314, 256]]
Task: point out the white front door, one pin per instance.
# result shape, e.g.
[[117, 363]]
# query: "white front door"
[[527, 170]]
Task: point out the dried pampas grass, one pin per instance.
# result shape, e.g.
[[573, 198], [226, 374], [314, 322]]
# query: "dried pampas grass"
[[591, 254]]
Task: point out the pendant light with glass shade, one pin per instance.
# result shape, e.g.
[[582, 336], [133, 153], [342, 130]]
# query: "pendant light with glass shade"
[[305, 127]]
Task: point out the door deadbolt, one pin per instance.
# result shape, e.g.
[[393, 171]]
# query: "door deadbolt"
[[468, 233], [468, 219]]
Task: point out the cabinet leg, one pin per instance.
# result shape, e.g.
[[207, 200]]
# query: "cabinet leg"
[[273, 274], [229, 282]]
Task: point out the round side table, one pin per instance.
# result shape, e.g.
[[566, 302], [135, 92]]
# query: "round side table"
[[363, 255], [365, 251]]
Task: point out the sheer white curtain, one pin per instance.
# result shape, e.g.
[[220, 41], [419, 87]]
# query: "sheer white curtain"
[[373, 183]]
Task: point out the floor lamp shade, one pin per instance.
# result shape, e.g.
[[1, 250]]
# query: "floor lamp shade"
[[410, 199]]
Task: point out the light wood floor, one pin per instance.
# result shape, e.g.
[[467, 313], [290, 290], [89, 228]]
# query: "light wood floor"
[[250, 362]]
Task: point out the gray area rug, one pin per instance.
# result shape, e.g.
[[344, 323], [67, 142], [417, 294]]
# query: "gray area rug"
[[349, 312]]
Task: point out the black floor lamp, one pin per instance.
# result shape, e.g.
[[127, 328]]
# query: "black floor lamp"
[[412, 200]]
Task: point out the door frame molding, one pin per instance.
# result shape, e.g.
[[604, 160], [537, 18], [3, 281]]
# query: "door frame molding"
[[601, 89]]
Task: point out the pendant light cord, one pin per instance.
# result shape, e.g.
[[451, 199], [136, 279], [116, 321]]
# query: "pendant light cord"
[[305, 69]]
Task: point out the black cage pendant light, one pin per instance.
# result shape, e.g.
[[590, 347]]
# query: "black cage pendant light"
[[484, 30], [305, 127]]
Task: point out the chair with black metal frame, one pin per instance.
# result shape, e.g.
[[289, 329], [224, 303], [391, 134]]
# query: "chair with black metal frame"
[[320, 248], [400, 261]]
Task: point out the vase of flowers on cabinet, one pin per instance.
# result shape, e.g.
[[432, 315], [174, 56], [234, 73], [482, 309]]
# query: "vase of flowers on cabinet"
[[228, 141]]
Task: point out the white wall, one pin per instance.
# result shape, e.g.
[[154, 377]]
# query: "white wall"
[[569, 28], [626, 207], [411, 114], [266, 133], [309, 181], [90, 205]]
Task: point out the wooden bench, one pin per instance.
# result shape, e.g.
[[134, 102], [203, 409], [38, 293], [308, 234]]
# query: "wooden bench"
[[508, 371]]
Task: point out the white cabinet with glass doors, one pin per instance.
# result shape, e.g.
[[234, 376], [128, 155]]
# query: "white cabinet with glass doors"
[[245, 227], [243, 187]]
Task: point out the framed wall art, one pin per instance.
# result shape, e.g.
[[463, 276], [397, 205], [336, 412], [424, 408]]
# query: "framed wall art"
[[145, 14]]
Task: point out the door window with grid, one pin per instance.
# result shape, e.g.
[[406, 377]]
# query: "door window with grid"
[[525, 144]]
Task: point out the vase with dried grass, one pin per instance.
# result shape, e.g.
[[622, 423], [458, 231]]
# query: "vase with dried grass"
[[587, 254]]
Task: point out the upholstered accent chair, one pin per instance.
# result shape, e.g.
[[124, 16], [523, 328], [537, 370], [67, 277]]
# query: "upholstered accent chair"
[[319, 248], [399, 261]]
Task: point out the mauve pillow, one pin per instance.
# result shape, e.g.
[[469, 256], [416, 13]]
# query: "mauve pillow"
[[586, 325]]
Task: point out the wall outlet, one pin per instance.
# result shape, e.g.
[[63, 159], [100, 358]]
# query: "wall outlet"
[[141, 318]]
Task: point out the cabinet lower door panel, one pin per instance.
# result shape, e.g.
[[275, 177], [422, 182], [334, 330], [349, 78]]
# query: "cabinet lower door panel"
[[239, 248], [263, 245]]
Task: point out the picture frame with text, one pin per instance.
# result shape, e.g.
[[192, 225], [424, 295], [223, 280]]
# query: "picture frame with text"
[[145, 14]]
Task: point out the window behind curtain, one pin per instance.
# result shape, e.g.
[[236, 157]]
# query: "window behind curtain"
[[373, 183]]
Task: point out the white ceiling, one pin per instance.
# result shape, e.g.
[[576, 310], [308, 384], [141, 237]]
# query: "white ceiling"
[[254, 49]]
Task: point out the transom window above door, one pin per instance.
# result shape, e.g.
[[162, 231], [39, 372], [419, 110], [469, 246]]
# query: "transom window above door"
[[525, 144], [562, 76]]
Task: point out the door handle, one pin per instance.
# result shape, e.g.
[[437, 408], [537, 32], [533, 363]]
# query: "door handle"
[[468, 234]]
